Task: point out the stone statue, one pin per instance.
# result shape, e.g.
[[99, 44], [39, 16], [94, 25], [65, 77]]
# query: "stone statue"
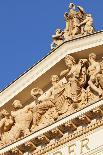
[[78, 23], [41, 108], [81, 15], [69, 18], [87, 24], [100, 76], [57, 92], [94, 91], [76, 79], [57, 38], [6, 122], [93, 71], [73, 20], [22, 120], [54, 105]]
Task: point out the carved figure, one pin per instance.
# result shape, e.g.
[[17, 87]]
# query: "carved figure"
[[6, 122], [22, 120], [69, 18], [57, 92], [88, 25], [81, 13], [76, 29], [77, 22], [100, 76], [52, 106], [57, 38], [41, 108], [73, 20], [93, 71], [76, 77]]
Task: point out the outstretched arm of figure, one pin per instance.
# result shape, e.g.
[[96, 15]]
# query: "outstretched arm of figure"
[[64, 72], [57, 35], [30, 106], [84, 22], [73, 69], [2, 122]]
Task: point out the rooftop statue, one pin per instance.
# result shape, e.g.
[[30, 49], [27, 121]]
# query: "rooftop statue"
[[57, 38], [78, 23]]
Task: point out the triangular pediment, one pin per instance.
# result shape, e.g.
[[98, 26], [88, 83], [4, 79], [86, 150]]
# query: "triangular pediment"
[[51, 64]]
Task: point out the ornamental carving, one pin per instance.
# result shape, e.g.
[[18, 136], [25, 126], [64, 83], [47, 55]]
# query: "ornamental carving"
[[78, 23], [83, 85]]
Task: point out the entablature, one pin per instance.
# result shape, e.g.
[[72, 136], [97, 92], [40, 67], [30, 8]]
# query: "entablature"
[[60, 132]]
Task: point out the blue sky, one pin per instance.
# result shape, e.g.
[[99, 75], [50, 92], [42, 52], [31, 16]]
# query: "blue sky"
[[26, 27]]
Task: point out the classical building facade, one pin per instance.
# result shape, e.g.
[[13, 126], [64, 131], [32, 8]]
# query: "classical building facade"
[[56, 107]]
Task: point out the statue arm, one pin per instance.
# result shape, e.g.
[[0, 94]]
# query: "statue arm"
[[97, 68], [2, 122], [71, 72], [84, 22], [64, 72], [30, 106], [57, 35], [13, 114]]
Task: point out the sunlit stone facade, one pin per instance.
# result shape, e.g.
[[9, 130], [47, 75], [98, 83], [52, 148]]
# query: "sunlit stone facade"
[[56, 107]]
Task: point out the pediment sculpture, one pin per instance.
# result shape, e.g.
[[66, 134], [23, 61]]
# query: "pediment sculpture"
[[84, 85]]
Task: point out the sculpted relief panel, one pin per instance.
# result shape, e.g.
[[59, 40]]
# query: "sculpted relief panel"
[[83, 85]]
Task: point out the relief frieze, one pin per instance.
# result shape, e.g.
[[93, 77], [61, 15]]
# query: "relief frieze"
[[82, 86]]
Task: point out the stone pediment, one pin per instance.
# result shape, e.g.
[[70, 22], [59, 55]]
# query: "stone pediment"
[[59, 99], [54, 64]]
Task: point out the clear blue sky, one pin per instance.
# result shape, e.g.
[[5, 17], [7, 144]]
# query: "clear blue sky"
[[26, 27]]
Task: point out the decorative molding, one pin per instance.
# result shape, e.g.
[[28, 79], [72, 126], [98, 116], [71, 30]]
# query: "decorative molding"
[[51, 127], [76, 134]]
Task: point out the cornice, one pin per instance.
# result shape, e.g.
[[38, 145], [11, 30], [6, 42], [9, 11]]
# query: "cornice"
[[59, 53], [53, 126], [91, 128]]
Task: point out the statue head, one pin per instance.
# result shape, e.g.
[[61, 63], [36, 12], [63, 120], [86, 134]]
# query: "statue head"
[[69, 61], [36, 92], [17, 104], [55, 78], [4, 113], [58, 31], [81, 9], [88, 15], [71, 6], [92, 56]]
